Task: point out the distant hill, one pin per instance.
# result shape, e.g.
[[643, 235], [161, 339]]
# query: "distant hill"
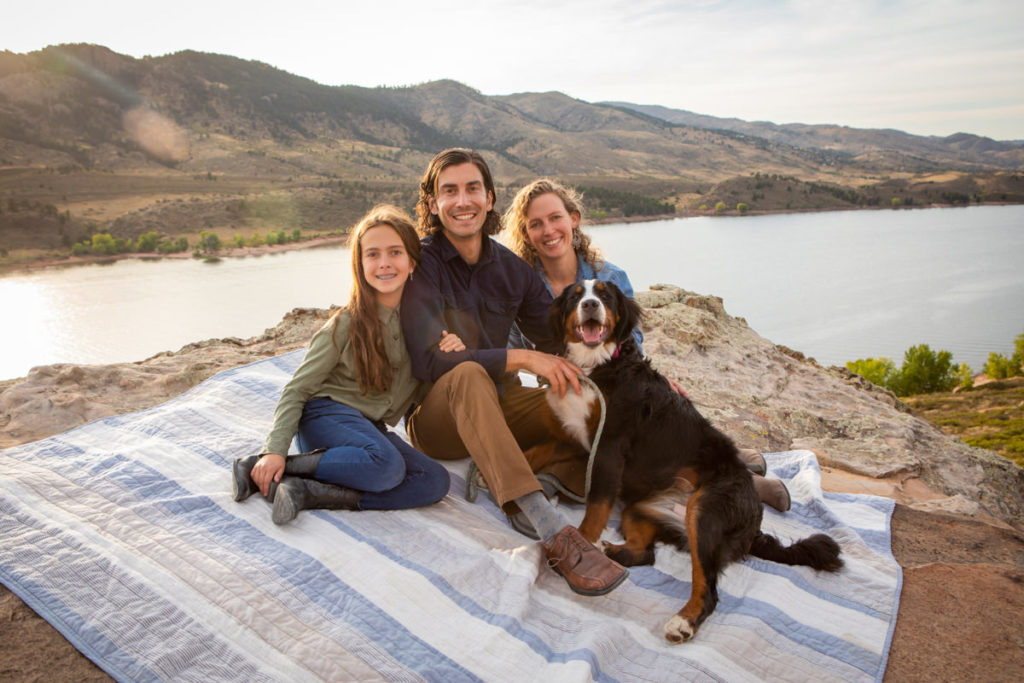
[[94, 141], [961, 150]]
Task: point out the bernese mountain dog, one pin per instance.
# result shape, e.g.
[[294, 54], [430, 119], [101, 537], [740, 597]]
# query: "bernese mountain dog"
[[680, 480]]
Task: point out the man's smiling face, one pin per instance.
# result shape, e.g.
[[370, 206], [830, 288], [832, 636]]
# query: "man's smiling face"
[[461, 202]]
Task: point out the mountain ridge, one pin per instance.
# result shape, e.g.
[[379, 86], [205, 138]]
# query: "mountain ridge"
[[89, 137]]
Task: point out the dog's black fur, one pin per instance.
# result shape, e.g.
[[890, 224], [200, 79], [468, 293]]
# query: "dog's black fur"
[[657, 454]]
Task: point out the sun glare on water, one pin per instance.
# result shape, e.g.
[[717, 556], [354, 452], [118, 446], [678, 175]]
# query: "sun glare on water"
[[32, 336]]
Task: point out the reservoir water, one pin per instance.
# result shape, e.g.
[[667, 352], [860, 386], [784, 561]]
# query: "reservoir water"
[[835, 285]]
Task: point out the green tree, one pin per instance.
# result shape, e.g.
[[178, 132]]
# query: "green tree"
[[173, 247], [924, 371], [999, 366], [875, 370], [209, 241], [148, 242], [103, 244], [720, 207], [742, 207], [238, 240], [1018, 353], [965, 376]]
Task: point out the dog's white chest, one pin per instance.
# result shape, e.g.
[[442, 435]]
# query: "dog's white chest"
[[573, 410]]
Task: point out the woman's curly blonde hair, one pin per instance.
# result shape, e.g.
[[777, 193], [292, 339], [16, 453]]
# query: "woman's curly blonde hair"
[[515, 222]]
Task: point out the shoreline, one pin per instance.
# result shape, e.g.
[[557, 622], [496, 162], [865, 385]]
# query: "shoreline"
[[330, 240], [232, 252]]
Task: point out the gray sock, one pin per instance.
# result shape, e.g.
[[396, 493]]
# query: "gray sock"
[[544, 516]]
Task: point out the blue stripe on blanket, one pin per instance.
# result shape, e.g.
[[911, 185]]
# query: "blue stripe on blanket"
[[466, 602]]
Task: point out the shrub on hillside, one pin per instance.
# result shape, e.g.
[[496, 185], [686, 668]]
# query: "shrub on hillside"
[[923, 371], [148, 242], [209, 241], [999, 366]]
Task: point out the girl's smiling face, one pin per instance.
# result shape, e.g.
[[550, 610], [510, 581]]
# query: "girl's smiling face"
[[386, 263], [549, 226]]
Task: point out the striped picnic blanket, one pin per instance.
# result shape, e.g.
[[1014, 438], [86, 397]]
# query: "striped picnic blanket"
[[123, 535]]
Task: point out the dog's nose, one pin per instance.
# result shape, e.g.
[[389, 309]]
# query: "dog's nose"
[[589, 304]]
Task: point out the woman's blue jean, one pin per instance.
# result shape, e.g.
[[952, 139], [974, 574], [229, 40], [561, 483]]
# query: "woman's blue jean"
[[391, 473]]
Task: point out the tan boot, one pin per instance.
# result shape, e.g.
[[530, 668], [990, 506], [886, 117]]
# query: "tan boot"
[[772, 492], [753, 460]]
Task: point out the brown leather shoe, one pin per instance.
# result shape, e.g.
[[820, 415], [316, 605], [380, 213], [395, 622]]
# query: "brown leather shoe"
[[586, 569]]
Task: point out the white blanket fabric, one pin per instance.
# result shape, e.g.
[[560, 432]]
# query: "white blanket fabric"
[[123, 535]]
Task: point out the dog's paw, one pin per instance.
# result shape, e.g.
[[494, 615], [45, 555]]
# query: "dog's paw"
[[627, 557], [679, 630]]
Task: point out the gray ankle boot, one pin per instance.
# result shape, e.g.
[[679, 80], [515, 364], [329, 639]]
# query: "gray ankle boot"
[[297, 493], [303, 464], [242, 485]]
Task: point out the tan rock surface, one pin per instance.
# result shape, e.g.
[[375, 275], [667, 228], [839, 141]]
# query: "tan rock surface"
[[956, 529]]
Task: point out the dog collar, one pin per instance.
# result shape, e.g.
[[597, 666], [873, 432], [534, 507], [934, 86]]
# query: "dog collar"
[[617, 349]]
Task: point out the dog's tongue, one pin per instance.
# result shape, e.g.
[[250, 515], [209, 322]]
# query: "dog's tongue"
[[592, 332]]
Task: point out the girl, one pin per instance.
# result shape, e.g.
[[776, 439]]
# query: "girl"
[[544, 223], [355, 377]]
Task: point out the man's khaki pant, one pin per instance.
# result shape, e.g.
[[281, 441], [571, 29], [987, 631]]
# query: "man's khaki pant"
[[462, 415]]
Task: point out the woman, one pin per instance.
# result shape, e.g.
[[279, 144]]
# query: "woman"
[[544, 230], [356, 377]]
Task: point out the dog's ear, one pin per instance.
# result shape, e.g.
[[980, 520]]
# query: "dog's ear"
[[557, 314], [631, 314]]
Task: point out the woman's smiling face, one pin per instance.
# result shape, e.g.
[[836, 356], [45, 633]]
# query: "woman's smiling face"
[[549, 226]]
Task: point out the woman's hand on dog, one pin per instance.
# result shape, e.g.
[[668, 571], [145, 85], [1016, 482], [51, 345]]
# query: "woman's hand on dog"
[[557, 370], [677, 388], [269, 468]]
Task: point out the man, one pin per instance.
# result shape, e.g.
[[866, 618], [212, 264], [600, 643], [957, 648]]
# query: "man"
[[471, 285]]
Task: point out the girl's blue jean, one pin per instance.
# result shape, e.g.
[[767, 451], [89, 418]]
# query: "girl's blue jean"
[[391, 473]]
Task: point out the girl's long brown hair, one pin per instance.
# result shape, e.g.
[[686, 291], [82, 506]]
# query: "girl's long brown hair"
[[373, 369]]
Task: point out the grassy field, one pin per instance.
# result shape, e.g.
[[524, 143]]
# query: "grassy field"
[[988, 416]]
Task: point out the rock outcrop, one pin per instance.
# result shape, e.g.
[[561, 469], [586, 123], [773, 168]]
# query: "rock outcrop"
[[55, 398]]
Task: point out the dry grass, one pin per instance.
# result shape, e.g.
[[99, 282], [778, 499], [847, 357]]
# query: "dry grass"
[[988, 416]]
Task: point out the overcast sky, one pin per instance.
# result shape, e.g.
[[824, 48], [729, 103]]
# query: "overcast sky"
[[932, 67]]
